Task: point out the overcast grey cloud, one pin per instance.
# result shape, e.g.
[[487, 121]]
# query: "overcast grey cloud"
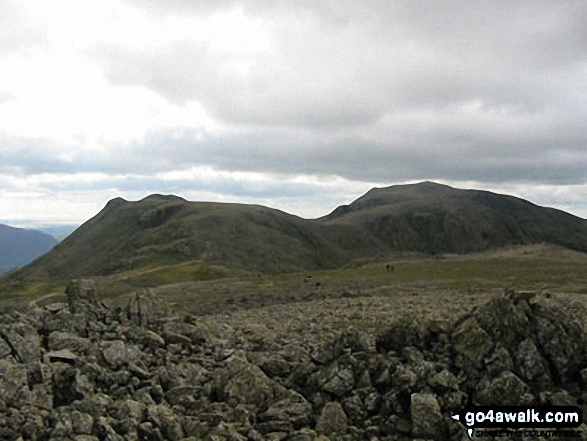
[[273, 102], [16, 31]]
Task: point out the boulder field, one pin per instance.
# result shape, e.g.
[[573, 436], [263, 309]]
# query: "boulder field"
[[86, 371]]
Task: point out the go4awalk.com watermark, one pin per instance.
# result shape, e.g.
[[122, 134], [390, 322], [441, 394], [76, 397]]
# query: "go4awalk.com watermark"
[[518, 421]]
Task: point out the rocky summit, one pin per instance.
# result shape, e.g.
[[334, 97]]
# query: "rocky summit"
[[87, 371]]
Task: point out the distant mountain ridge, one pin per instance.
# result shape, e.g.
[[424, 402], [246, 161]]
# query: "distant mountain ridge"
[[436, 218], [19, 246], [425, 217]]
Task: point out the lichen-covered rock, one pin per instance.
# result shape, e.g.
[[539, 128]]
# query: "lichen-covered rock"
[[472, 344], [529, 363], [5, 349], [332, 420], [13, 381], [426, 417], [337, 379], [23, 342], [507, 389], [143, 307], [81, 296], [562, 336], [117, 353], [58, 340], [504, 320], [103, 374], [69, 385], [443, 381], [293, 409], [244, 383]]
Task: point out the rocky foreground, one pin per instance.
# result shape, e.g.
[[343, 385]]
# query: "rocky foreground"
[[85, 372]]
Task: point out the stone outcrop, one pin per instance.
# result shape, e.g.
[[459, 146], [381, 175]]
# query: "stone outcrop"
[[81, 295], [87, 372]]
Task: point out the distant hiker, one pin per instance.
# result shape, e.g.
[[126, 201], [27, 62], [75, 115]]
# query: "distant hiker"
[[388, 267]]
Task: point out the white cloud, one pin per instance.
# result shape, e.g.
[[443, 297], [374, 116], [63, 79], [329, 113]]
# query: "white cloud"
[[313, 100]]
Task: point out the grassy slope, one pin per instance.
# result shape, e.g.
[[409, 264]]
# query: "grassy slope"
[[435, 218], [165, 239], [163, 231], [535, 267]]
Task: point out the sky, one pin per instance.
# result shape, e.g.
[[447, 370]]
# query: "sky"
[[301, 105]]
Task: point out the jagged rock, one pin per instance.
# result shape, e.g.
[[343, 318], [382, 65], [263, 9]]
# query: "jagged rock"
[[182, 395], [23, 341], [562, 398], [355, 409], [5, 349], [338, 378], [293, 409], [562, 337], [504, 320], [95, 375], [404, 378], [304, 434], [349, 341], [64, 321], [226, 431], [106, 431], [471, 345], [82, 423], [69, 385], [81, 296], [166, 420], [332, 420], [507, 389], [272, 364], [529, 362], [95, 405], [143, 307], [63, 356], [138, 371], [176, 338], [58, 340], [244, 383], [145, 337], [499, 361], [13, 381], [443, 381], [410, 331], [427, 419], [117, 353], [41, 396], [33, 427]]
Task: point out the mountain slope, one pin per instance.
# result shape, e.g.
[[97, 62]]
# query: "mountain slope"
[[432, 218], [167, 230], [19, 246], [163, 230]]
